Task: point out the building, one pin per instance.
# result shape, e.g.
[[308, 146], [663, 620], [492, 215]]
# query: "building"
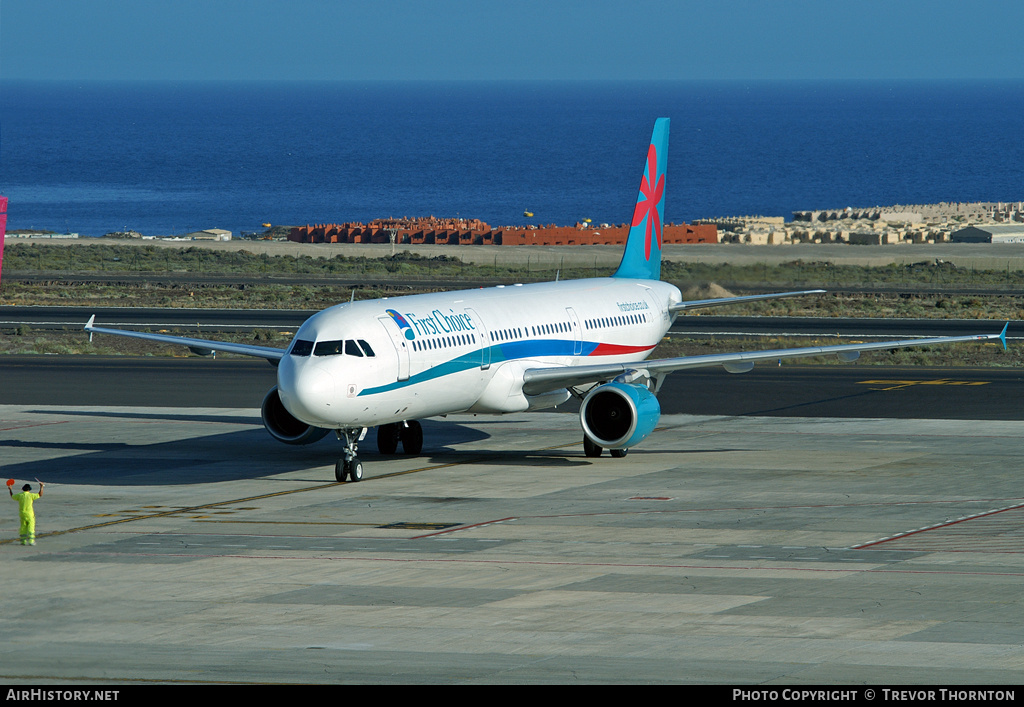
[[210, 234], [993, 233], [474, 232]]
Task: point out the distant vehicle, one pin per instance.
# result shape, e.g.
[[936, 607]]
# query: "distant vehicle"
[[387, 363]]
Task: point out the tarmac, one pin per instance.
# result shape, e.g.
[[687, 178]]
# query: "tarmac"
[[183, 545]]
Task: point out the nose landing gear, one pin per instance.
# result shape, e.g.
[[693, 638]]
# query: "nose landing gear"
[[348, 466], [409, 433]]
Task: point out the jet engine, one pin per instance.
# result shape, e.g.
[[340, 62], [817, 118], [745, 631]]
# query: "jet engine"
[[619, 415], [283, 426]]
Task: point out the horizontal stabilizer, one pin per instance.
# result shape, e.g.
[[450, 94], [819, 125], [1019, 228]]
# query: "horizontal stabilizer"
[[699, 303]]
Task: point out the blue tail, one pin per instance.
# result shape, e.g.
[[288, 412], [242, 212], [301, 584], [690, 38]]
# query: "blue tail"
[[642, 259]]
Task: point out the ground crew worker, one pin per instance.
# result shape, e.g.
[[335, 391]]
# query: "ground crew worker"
[[25, 500]]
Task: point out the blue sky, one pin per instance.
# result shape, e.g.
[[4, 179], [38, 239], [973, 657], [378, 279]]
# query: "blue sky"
[[510, 39]]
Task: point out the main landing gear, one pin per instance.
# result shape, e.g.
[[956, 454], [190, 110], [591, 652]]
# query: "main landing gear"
[[593, 450], [409, 433]]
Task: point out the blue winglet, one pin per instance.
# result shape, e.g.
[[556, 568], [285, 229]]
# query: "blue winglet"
[[1002, 336]]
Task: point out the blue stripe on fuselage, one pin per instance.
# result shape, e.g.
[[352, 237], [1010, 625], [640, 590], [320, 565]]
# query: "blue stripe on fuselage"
[[506, 351]]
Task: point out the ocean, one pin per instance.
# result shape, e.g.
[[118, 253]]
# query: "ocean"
[[171, 158]]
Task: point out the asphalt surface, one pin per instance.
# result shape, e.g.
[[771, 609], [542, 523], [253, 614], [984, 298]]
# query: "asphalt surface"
[[214, 320], [207, 320], [863, 328], [184, 545], [812, 525], [854, 390]]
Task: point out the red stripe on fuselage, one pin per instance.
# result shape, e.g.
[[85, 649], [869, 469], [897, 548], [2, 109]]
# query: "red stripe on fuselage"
[[617, 350]]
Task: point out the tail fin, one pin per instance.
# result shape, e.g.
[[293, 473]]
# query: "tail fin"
[[3, 229], [642, 259]]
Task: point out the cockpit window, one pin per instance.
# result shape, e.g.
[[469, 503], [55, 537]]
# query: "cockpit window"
[[301, 347], [348, 347], [329, 348]]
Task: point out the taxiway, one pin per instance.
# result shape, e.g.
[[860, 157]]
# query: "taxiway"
[[184, 545]]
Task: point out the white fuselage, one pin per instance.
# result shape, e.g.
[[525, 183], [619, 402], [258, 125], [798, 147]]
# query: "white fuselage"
[[375, 362]]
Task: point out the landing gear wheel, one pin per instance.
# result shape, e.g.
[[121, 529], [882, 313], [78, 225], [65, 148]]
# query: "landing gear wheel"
[[355, 469], [591, 449], [387, 438], [351, 470], [619, 453], [412, 437]]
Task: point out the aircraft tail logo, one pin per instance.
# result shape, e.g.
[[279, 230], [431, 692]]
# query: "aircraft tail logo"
[[642, 259]]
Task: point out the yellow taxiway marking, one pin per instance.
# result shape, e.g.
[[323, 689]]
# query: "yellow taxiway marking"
[[897, 384]]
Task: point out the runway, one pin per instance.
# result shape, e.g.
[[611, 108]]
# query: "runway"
[[853, 390], [206, 321], [182, 544]]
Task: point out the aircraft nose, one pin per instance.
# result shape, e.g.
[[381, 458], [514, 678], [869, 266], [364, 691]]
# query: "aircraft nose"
[[307, 392]]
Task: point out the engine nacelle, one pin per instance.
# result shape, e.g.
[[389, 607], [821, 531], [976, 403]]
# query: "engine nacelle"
[[283, 426], [619, 415]]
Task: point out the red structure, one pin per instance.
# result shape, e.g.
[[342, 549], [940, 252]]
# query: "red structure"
[[475, 232]]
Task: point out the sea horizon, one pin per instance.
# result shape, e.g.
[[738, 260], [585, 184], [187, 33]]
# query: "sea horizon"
[[171, 157]]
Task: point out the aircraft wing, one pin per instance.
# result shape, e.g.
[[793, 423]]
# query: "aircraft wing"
[[199, 346], [542, 380], [698, 303]]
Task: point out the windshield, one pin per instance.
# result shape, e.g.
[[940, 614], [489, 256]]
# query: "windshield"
[[335, 347]]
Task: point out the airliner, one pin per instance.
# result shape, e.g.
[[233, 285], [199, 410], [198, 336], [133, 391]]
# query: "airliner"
[[387, 363]]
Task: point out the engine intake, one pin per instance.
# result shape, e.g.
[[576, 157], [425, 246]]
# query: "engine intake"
[[619, 415], [283, 426]]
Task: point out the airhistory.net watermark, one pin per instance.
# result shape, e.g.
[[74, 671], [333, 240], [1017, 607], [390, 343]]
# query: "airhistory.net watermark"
[[37, 695]]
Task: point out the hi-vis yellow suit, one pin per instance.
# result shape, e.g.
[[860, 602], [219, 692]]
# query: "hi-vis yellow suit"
[[25, 500]]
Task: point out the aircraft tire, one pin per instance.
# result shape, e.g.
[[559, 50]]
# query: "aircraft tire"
[[412, 438], [340, 470], [355, 469], [387, 439], [619, 453], [591, 449]]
